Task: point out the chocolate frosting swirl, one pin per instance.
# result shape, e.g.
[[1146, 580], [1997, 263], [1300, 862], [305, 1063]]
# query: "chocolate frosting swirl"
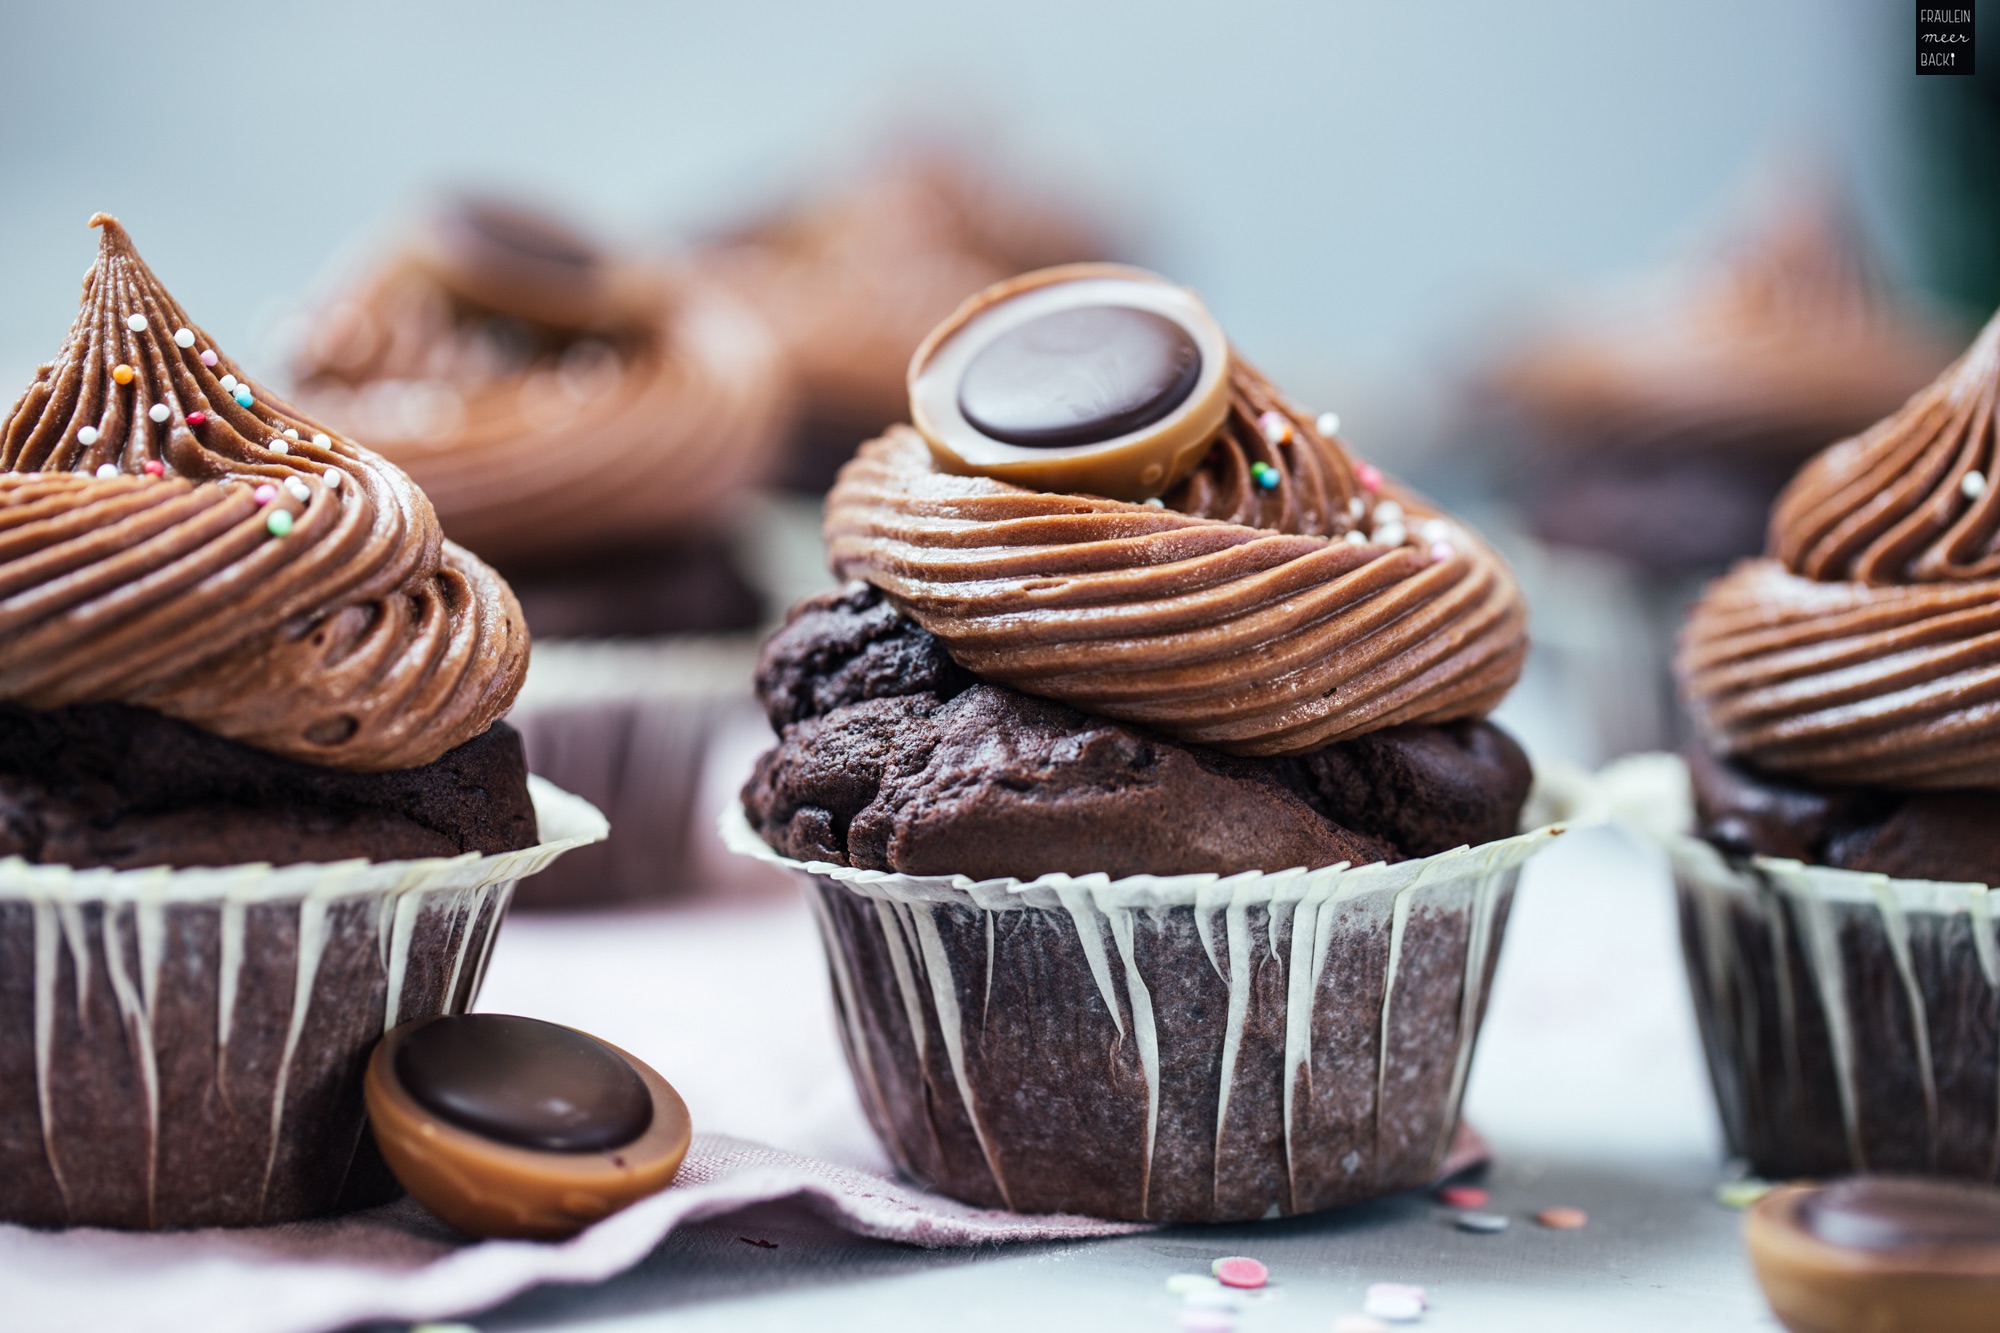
[[555, 400], [1865, 649], [1258, 618], [143, 562]]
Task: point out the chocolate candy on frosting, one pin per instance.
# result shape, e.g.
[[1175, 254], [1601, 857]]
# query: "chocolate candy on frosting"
[[1879, 1254], [508, 1126]]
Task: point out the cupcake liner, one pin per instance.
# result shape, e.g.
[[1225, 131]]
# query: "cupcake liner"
[[1164, 1048], [184, 1048], [639, 729], [1851, 1020]]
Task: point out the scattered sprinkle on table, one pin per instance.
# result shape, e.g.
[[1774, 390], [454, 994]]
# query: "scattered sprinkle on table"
[[1238, 1271], [1358, 1323], [1180, 1284], [1483, 1224], [1741, 1193], [1563, 1219], [1396, 1302], [1463, 1196], [1196, 1320], [442, 1328]]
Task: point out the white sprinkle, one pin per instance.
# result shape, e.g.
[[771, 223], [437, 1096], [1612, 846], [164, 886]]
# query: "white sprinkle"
[[1390, 534], [183, 337], [229, 382], [297, 489], [1358, 1323], [136, 323], [1388, 512], [1180, 1284], [88, 435], [291, 435], [1434, 530], [332, 479], [1356, 507], [322, 440], [1394, 1302], [1156, 503], [1214, 1297], [158, 412], [105, 471], [1972, 485], [1329, 424], [1356, 537], [279, 447], [1487, 1224]]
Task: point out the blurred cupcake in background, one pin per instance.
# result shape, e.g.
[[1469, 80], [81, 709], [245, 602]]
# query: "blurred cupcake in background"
[[852, 280], [590, 421]]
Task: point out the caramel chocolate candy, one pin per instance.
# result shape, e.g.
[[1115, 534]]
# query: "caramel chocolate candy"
[[513, 260], [1879, 1254], [507, 1126], [1094, 378]]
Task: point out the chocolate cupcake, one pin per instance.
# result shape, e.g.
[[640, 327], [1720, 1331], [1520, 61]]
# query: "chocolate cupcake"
[[1836, 897], [255, 807], [851, 282], [1140, 775], [586, 420]]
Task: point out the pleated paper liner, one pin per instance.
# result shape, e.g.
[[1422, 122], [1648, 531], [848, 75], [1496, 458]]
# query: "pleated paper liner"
[[183, 1048], [1165, 1048], [1851, 1020]]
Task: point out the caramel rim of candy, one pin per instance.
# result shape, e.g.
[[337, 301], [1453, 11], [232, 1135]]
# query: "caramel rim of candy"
[[395, 1112], [1134, 466], [1772, 1231]]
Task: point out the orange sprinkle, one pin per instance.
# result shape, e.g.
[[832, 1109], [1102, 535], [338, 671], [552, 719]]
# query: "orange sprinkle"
[[122, 373], [1563, 1219]]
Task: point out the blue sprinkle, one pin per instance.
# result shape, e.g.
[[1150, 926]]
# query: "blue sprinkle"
[[242, 396], [1266, 475]]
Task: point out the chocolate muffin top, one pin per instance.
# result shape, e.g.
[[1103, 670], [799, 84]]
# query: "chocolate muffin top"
[[173, 537], [1864, 648], [556, 399]]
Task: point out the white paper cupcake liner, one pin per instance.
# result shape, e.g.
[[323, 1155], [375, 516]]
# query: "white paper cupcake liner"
[[654, 732], [185, 1047], [1165, 1048], [1851, 1019]]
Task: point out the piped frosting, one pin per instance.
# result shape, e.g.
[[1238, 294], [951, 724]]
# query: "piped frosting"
[[1865, 648], [172, 536]]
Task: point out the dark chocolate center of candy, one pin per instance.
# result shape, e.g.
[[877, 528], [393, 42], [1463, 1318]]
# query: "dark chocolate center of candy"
[[1079, 376], [525, 1082], [1894, 1213]]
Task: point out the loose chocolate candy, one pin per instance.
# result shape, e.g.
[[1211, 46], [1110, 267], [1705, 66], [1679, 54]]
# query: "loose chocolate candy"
[[1080, 376], [512, 1127], [1879, 1254], [525, 1082]]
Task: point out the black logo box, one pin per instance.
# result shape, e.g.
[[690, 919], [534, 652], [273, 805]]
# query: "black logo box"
[[1944, 38]]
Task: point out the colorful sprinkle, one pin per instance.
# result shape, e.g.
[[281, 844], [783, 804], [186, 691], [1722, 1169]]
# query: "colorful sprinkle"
[[155, 468], [1463, 1196], [242, 396], [1741, 1193], [1972, 485], [265, 493], [1563, 1219], [158, 412], [1358, 1323], [1197, 1320], [1369, 476], [208, 357], [1239, 1271], [1482, 1224], [1328, 424], [278, 522], [322, 439], [1395, 1302], [87, 436], [122, 373], [297, 489], [136, 323], [1274, 427], [1442, 551], [229, 383], [279, 447], [332, 478], [1264, 475], [106, 471], [183, 337], [196, 418]]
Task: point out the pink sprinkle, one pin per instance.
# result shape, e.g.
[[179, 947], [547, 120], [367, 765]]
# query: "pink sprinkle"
[[1462, 1196], [1274, 427], [155, 468], [1441, 552], [265, 493], [1238, 1271], [1369, 476], [208, 356]]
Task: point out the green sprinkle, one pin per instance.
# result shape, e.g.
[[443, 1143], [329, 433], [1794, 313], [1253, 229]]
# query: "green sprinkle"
[[1742, 1193], [278, 522]]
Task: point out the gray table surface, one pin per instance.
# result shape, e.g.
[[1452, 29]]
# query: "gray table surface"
[[1588, 1084]]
